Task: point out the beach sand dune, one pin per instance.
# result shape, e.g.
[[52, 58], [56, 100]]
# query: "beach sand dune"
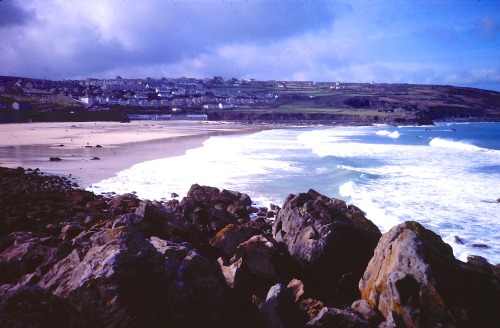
[[93, 151]]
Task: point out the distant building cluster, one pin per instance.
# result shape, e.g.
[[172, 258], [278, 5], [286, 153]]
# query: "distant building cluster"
[[207, 94]]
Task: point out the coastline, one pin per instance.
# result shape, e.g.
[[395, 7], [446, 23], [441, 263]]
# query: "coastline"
[[90, 152]]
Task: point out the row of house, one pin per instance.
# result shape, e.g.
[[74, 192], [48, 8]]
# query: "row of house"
[[170, 100]]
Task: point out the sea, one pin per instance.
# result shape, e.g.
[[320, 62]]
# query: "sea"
[[446, 177]]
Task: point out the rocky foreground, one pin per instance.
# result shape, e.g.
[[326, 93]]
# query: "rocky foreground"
[[69, 258]]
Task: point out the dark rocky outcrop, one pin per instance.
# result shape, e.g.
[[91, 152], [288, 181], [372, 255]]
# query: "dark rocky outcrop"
[[332, 243], [71, 258], [413, 280]]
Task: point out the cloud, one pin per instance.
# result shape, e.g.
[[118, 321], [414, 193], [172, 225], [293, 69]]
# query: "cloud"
[[11, 14], [480, 78], [83, 37], [282, 40]]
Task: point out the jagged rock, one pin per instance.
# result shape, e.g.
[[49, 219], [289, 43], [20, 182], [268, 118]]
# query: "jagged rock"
[[332, 241], [363, 309], [70, 231], [231, 236], [203, 194], [236, 275], [310, 307], [120, 279], [480, 263], [24, 257], [168, 248], [279, 309], [414, 280], [122, 204], [221, 218], [197, 296], [331, 317], [261, 257], [200, 262], [153, 218], [223, 207]]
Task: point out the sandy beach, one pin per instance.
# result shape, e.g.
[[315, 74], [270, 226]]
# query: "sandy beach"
[[93, 151]]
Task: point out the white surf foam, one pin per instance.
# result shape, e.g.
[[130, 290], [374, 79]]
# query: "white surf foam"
[[445, 143]]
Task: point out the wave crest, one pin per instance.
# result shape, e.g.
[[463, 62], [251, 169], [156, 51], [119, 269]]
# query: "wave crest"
[[459, 145]]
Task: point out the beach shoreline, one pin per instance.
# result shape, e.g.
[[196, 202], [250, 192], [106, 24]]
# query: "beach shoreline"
[[90, 152]]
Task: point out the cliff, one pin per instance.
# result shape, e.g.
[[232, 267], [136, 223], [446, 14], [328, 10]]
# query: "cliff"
[[72, 258]]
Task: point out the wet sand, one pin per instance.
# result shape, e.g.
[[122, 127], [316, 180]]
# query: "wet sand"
[[91, 152]]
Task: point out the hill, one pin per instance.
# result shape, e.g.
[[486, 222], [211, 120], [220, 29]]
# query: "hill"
[[24, 99]]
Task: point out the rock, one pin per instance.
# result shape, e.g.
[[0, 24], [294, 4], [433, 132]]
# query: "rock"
[[221, 218], [309, 307], [279, 310], [121, 280], [237, 276], [480, 263], [24, 257], [231, 236], [98, 146], [414, 280], [122, 204], [168, 248], [363, 309], [296, 287], [203, 194], [153, 218], [331, 317], [197, 296], [261, 257], [331, 241], [459, 240], [69, 257], [204, 205], [174, 195], [70, 231], [234, 197], [95, 158], [478, 245], [35, 307]]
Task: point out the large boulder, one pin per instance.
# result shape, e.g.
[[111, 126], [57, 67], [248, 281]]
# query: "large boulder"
[[204, 205], [332, 242], [414, 280], [121, 279], [27, 255], [197, 295]]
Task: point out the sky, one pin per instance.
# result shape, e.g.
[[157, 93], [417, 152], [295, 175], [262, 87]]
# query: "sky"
[[454, 42]]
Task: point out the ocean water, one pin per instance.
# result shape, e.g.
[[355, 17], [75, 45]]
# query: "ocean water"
[[447, 177]]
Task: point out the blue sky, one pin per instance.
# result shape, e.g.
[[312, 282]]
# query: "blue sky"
[[430, 42]]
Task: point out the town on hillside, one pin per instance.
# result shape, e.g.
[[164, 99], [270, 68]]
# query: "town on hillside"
[[248, 100]]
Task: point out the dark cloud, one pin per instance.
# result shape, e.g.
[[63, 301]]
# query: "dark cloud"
[[11, 14]]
